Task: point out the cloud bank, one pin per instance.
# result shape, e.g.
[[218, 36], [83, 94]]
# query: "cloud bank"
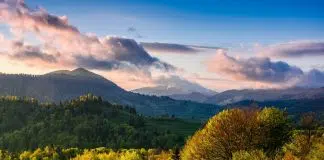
[[314, 78], [64, 45], [253, 69], [174, 48], [22, 52], [185, 85], [263, 70], [295, 49]]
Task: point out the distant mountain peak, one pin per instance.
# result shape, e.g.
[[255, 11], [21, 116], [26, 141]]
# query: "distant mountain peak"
[[82, 72]]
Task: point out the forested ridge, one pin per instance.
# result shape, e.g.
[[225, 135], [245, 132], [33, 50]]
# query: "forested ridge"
[[294, 107], [85, 122]]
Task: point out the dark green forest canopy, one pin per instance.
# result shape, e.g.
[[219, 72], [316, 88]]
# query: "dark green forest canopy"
[[85, 122], [294, 107]]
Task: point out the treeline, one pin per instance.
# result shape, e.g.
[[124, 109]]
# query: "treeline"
[[86, 122], [294, 107], [56, 153]]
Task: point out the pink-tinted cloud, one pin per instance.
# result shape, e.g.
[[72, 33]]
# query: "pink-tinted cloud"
[[183, 84], [62, 43], [314, 78], [263, 72], [253, 69], [26, 52]]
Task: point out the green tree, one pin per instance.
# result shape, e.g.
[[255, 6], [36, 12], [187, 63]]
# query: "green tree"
[[274, 129]]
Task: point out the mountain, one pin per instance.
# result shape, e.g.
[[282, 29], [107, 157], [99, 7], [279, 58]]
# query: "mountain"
[[198, 94], [194, 96], [158, 90], [59, 85], [232, 96], [65, 85], [168, 90], [79, 72]]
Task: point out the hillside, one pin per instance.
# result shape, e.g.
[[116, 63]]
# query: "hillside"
[[233, 96], [87, 121], [65, 85], [194, 96], [294, 107]]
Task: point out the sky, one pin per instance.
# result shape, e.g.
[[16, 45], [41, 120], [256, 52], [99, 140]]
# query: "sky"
[[218, 44]]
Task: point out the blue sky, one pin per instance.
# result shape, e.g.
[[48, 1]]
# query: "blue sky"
[[245, 28], [205, 22]]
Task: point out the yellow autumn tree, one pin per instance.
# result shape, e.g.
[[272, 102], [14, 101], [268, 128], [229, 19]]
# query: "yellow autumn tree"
[[236, 130]]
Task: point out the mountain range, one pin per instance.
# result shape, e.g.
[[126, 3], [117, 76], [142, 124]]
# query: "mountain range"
[[58, 86], [64, 85], [233, 96], [178, 88], [183, 90], [193, 96], [294, 107]]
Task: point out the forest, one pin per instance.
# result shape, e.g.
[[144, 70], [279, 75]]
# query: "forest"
[[86, 122], [89, 127]]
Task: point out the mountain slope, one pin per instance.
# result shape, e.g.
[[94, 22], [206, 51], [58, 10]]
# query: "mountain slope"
[[64, 85], [232, 96], [79, 72], [293, 106], [58, 86], [194, 96], [158, 91]]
